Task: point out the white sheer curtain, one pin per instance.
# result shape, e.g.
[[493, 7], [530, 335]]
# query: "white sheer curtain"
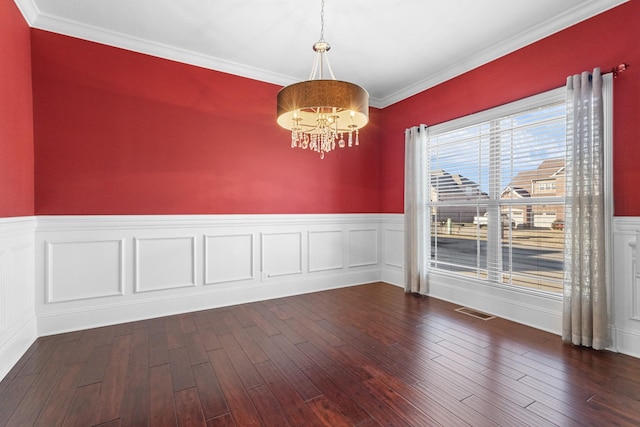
[[417, 241], [585, 318]]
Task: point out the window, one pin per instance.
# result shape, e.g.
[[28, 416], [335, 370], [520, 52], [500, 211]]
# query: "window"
[[496, 200], [546, 186]]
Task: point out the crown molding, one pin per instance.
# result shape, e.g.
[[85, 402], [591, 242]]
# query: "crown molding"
[[118, 40], [559, 23], [122, 41], [29, 10], [36, 19]]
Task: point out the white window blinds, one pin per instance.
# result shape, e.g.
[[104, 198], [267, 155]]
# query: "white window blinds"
[[496, 202]]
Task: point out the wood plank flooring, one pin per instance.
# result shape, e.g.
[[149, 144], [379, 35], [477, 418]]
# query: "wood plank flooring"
[[362, 356]]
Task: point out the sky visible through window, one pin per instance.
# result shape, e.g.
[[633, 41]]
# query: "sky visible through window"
[[531, 137]]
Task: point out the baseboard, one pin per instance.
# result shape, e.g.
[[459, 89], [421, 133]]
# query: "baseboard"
[[538, 310], [110, 314], [14, 346], [627, 342], [393, 276]]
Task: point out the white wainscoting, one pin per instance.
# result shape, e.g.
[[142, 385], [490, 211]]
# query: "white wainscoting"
[[17, 309], [625, 301], [99, 270], [63, 273], [392, 229]]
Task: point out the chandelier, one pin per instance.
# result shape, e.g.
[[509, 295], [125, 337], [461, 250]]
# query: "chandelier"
[[319, 112]]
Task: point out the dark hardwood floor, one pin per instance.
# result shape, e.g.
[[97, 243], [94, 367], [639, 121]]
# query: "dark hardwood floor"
[[366, 355]]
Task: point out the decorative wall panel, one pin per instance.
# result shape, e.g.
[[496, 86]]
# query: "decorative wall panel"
[[281, 254], [77, 270], [634, 276], [164, 263], [326, 250], [228, 258], [394, 248], [363, 247]]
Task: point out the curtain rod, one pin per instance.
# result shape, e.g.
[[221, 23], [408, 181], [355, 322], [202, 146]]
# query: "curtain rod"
[[614, 70], [618, 69]]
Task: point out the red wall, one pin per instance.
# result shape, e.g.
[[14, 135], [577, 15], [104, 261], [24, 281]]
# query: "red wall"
[[118, 132], [16, 114], [603, 41]]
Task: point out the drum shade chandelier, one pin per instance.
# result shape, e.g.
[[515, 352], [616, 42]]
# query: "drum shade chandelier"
[[321, 113]]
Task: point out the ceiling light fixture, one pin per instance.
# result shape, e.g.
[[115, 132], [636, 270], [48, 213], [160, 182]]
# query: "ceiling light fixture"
[[321, 112]]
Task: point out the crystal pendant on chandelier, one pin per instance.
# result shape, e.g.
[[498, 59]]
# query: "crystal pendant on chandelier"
[[323, 114]]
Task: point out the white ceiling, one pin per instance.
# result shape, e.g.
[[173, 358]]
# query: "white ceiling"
[[394, 49]]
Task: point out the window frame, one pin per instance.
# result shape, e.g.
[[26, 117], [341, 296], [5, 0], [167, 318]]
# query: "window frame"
[[485, 295], [490, 118]]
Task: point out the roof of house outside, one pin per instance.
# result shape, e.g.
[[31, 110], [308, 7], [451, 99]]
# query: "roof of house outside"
[[453, 185]]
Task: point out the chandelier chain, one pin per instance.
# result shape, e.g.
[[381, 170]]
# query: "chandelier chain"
[[322, 21]]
